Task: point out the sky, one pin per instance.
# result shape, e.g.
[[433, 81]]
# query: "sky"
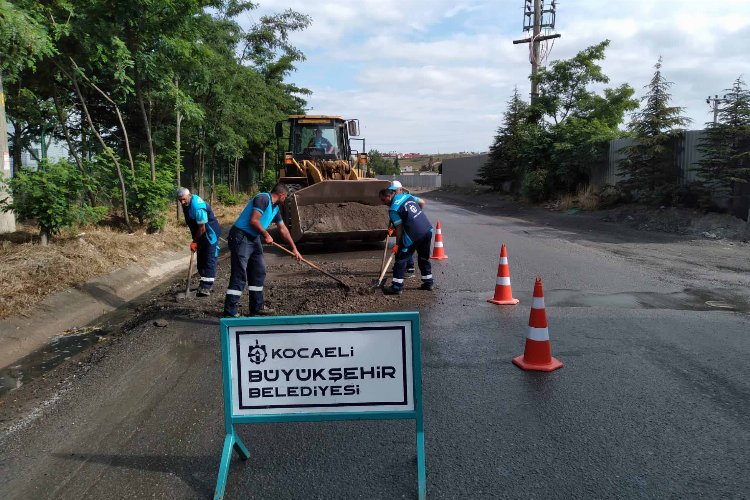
[[435, 76]]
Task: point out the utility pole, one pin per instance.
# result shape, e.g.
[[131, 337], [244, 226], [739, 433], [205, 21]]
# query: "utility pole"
[[537, 17], [714, 103], [7, 219]]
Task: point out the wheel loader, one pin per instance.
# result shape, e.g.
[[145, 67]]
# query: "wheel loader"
[[331, 197]]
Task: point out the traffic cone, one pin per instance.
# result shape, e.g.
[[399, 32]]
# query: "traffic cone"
[[538, 352], [437, 251], [503, 293]]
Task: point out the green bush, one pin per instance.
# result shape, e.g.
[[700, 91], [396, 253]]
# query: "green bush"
[[267, 181], [535, 185], [52, 196], [148, 199], [226, 197]]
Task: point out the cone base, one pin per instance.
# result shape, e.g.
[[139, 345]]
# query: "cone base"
[[510, 302], [439, 257], [554, 364]]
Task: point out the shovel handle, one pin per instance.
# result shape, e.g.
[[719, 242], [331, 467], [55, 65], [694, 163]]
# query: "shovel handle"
[[385, 268], [189, 274], [310, 264]]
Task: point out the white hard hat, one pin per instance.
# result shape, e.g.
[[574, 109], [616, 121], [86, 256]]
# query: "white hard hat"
[[395, 185]]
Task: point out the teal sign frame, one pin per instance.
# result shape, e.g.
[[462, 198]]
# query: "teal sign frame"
[[233, 442]]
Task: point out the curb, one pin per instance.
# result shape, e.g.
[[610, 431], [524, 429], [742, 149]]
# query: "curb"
[[76, 307]]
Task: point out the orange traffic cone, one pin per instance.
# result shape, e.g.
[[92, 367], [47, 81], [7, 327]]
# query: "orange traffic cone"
[[538, 353], [503, 292], [437, 251]]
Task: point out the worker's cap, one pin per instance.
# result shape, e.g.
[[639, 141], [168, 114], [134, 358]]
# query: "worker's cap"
[[395, 185]]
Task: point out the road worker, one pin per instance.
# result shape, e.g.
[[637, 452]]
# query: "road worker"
[[397, 188], [246, 240], [413, 234], [206, 231]]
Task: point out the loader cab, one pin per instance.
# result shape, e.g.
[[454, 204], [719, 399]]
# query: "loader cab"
[[317, 137]]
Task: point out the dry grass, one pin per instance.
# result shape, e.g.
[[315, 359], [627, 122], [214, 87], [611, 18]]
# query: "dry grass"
[[585, 199], [29, 272]]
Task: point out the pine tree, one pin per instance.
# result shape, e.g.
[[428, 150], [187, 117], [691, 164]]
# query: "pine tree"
[[504, 159], [649, 166], [726, 146]]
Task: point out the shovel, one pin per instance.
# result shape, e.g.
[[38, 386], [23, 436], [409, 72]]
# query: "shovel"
[[188, 294], [379, 283], [342, 283]]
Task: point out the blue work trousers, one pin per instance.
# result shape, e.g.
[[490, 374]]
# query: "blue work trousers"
[[207, 256], [422, 247], [248, 267]]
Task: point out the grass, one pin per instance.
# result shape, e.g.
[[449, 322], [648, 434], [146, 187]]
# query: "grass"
[[584, 199]]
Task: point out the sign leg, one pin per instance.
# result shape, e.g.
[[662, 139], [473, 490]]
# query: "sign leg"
[[421, 474], [226, 458], [240, 447]]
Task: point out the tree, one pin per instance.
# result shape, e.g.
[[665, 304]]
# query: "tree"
[[380, 165], [649, 165], [577, 120], [726, 146], [506, 156]]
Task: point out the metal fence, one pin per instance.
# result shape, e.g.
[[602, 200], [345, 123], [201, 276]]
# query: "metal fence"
[[687, 153], [423, 181]]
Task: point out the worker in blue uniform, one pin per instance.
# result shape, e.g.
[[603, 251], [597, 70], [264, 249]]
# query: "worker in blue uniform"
[[413, 234], [206, 231], [398, 188], [246, 240]]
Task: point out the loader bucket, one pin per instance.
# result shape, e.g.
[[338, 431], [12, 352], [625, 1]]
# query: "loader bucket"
[[338, 210]]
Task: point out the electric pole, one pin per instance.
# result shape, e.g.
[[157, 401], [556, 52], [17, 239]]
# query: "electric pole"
[[7, 219], [535, 18], [714, 103]]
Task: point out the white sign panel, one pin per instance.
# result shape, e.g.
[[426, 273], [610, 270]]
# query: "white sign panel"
[[321, 368]]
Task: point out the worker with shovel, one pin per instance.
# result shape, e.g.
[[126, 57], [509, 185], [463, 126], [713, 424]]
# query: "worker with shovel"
[[206, 231], [398, 188], [246, 240], [413, 233]]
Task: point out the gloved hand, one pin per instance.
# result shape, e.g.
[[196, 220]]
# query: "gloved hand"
[[193, 246], [390, 232], [395, 249]]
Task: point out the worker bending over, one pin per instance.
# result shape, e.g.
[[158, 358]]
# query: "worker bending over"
[[398, 188], [206, 231], [246, 240], [413, 233]]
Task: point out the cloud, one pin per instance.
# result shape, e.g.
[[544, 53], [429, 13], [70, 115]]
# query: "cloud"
[[429, 75]]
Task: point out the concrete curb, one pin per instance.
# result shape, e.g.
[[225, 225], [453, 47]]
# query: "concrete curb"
[[77, 307]]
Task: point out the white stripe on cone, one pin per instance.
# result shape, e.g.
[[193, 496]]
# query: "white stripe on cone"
[[538, 303], [539, 334], [504, 260], [503, 280], [439, 244]]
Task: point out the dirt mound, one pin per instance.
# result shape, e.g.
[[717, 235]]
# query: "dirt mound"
[[343, 217]]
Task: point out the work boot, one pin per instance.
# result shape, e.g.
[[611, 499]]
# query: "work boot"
[[235, 315], [265, 311], [427, 286], [203, 292], [390, 290]]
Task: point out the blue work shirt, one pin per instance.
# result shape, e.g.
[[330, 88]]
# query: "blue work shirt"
[[198, 212], [405, 211], [269, 213]]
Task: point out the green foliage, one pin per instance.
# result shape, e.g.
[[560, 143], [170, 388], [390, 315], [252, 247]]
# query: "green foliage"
[[51, 197], [148, 199], [23, 38], [535, 185], [267, 181], [380, 165], [224, 195], [549, 147], [505, 161], [726, 146], [650, 166]]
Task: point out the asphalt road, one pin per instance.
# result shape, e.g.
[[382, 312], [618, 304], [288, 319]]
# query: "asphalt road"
[[653, 401]]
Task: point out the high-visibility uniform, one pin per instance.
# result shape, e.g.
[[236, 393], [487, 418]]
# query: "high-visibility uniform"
[[416, 236], [198, 213], [246, 250]]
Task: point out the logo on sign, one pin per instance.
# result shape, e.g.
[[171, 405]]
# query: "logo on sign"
[[257, 353]]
